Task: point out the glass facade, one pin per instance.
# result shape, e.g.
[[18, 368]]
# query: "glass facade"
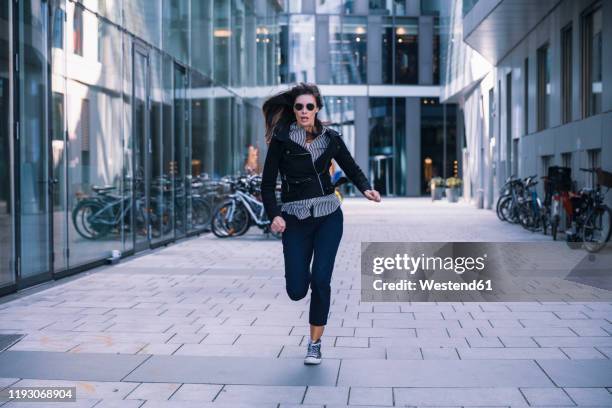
[[7, 276], [114, 112]]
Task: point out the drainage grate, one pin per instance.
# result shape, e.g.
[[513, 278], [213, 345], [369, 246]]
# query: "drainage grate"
[[7, 340]]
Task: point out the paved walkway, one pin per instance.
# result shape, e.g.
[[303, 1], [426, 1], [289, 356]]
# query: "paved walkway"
[[207, 322]]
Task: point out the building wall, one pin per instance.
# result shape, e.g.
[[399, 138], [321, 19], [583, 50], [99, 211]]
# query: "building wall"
[[490, 133]]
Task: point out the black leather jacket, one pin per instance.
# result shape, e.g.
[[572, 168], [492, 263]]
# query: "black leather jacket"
[[300, 177]]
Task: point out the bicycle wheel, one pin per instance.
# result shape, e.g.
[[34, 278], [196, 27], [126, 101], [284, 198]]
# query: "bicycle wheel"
[[597, 229], [498, 207], [505, 209], [527, 218], [227, 223], [89, 220], [554, 226], [201, 213]]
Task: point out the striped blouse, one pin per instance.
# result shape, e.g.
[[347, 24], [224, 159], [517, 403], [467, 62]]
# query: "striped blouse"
[[317, 206]]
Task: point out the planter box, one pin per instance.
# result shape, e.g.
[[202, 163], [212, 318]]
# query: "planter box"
[[452, 194], [436, 193]]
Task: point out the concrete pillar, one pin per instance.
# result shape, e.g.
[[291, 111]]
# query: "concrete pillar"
[[413, 147], [426, 33], [374, 50], [362, 135], [322, 68]]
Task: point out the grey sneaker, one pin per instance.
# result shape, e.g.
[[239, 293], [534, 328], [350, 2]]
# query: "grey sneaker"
[[313, 355]]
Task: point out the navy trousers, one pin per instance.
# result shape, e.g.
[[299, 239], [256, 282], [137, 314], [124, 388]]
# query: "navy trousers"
[[303, 240]]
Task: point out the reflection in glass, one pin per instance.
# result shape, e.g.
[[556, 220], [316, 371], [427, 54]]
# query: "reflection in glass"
[[178, 165], [298, 49], [142, 18], [348, 49], [221, 40], [6, 212], [381, 145], [34, 177], [95, 204], [202, 36], [406, 51], [438, 132], [175, 27], [335, 7]]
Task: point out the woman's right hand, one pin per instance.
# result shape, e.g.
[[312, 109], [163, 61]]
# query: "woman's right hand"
[[278, 224]]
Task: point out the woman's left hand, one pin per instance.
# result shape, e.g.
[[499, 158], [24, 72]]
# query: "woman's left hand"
[[372, 195]]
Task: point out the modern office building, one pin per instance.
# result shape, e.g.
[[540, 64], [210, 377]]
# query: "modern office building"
[[536, 89], [378, 64], [114, 108]]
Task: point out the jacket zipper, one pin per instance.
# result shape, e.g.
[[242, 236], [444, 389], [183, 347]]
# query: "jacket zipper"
[[318, 178]]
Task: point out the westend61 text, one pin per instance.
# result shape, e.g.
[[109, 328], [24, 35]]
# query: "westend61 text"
[[430, 284]]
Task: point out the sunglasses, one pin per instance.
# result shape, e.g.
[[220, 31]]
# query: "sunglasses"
[[300, 106]]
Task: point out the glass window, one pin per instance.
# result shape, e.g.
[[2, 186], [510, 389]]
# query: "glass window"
[[436, 51], [7, 275], [238, 74], [77, 30], [383, 7], [406, 51], [142, 18], [110, 9], [432, 7], [298, 49], [526, 96], [544, 87], [59, 15], [335, 6], [592, 40], [292, 6], [348, 49], [221, 40], [566, 74], [381, 145], [387, 50], [94, 153], [33, 153], [438, 141], [175, 26], [202, 36]]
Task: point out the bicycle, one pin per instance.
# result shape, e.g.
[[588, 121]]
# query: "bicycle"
[[591, 217], [242, 209], [532, 214]]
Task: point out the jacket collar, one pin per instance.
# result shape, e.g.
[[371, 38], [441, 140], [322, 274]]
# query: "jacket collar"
[[282, 133]]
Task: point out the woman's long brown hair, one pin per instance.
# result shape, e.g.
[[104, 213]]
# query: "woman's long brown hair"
[[278, 109]]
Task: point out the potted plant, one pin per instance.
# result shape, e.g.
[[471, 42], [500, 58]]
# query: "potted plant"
[[453, 185], [436, 185]]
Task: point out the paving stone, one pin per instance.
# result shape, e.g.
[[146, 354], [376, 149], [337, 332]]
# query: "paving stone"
[[578, 373], [462, 396], [371, 396], [326, 395], [260, 394], [67, 366], [448, 373], [590, 396], [234, 370], [546, 396], [197, 392], [157, 391]]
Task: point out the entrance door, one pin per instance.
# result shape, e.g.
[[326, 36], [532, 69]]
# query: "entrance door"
[[382, 167], [141, 149]]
